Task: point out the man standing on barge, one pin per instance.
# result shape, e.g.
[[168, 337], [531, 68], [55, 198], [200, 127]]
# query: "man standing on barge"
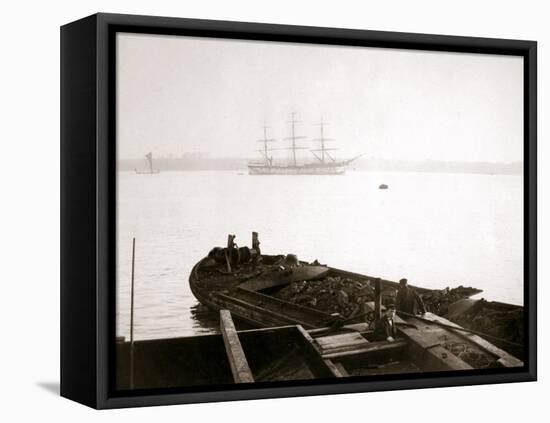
[[408, 300]]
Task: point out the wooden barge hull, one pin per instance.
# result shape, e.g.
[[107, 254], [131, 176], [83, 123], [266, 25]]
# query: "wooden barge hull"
[[261, 310], [431, 341], [253, 307]]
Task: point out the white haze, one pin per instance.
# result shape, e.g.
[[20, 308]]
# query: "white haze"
[[183, 94]]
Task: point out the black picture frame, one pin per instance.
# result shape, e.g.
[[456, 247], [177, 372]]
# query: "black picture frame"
[[88, 222]]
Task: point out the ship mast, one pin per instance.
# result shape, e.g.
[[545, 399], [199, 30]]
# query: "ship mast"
[[264, 151], [324, 151], [293, 139]]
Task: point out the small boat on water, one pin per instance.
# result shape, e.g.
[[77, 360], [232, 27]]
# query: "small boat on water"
[[247, 283], [150, 170]]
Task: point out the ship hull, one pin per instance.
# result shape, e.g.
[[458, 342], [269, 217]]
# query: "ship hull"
[[296, 170]]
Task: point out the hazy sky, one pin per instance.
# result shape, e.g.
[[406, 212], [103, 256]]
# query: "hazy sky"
[[184, 94]]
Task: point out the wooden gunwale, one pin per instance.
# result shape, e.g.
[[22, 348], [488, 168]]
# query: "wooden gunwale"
[[245, 305]]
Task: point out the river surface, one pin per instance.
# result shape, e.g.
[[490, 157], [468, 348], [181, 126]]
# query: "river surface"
[[437, 230]]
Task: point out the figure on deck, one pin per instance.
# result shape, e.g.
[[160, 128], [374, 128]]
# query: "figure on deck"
[[384, 328], [408, 300]]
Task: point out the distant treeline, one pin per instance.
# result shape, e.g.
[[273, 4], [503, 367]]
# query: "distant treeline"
[[383, 165], [190, 162], [199, 161]]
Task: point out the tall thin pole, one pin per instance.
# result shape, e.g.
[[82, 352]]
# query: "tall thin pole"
[[293, 137], [322, 142], [265, 145], [377, 299], [132, 316], [267, 158], [293, 140]]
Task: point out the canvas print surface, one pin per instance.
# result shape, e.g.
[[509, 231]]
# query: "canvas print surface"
[[288, 212]]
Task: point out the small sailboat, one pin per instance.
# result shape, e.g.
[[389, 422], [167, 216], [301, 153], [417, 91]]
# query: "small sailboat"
[[150, 171]]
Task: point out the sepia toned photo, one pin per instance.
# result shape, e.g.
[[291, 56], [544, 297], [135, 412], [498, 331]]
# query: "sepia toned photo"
[[288, 212]]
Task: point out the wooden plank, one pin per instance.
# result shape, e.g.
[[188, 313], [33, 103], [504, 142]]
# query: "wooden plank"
[[337, 369], [426, 346], [356, 327], [507, 360], [307, 337], [279, 304], [270, 329], [372, 347], [340, 342], [320, 366], [307, 317], [345, 348], [234, 350], [425, 336], [340, 367], [441, 359], [244, 305], [254, 317]]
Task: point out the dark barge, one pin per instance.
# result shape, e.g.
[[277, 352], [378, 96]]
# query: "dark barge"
[[246, 282], [290, 341]]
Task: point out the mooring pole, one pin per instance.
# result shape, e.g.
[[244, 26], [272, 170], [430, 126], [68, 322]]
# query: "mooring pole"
[[132, 317], [377, 299]]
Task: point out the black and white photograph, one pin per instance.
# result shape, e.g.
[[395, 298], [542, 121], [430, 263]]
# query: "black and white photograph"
[[292, 211], [272, 211]]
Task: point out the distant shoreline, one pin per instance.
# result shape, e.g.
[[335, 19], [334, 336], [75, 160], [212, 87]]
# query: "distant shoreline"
[[348, 171], [194, 163]]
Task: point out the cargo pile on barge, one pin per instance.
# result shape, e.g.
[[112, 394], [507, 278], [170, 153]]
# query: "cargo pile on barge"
[[346, 296]]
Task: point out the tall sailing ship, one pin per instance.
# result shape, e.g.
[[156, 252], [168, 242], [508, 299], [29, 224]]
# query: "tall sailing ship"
[[324, 163]]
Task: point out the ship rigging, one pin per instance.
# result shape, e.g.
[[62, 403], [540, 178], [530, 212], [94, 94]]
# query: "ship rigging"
[[325, 163]]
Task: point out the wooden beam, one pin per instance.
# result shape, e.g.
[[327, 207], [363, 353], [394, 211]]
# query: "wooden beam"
[[361, 328], [425, 347], [504, 358], [234, 350], [336, 368], [341, 342], [372, 347], [377, 299], [340, 368], [255, 241], [249, 308], [319, 366]]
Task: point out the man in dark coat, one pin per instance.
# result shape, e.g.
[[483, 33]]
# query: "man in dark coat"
[[384, 328], [408, 300]]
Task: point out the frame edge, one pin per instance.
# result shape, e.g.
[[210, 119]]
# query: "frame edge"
[[78, 333]]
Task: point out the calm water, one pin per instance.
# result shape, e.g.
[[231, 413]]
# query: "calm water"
[[437, 230]]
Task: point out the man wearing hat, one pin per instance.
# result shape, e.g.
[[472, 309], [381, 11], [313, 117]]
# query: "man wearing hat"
[[407, 299], [384, 328]]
